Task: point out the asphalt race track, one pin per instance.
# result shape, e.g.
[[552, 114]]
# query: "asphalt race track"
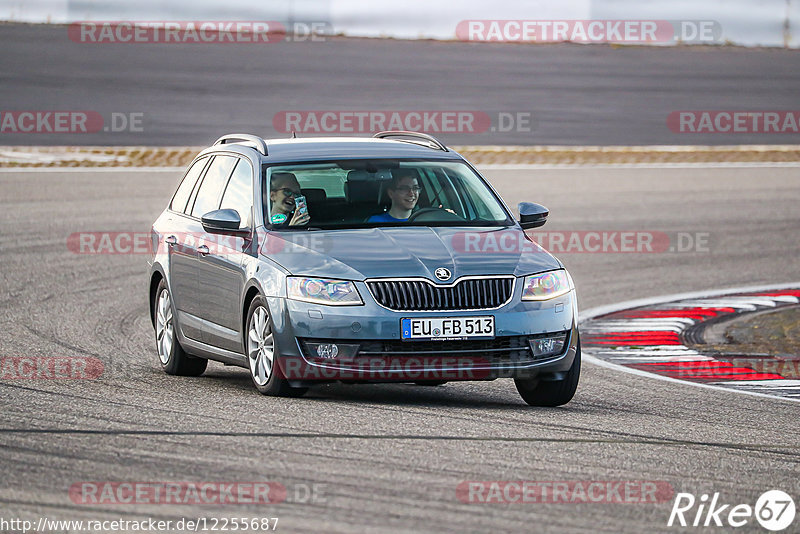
[[385, 456], [186, 94]]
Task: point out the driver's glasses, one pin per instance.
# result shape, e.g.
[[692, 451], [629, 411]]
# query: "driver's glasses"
[[409, 189], [288, 192]]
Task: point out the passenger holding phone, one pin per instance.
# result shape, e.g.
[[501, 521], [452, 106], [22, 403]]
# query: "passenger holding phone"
[[288, 205]]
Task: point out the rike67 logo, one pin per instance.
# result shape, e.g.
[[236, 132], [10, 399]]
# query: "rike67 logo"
[[774, 510]]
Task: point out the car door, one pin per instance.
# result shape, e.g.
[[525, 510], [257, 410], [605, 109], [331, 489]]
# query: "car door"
[[221, 277], [206, 199], [181, 250]]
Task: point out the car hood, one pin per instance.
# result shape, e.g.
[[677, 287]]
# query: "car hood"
[[358, 254]]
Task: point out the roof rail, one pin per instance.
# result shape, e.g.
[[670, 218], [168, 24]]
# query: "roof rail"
[[248, 139], [421, 138]]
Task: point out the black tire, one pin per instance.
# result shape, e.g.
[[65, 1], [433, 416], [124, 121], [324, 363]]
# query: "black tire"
[[551, 393], [276, 385], [178, 362]]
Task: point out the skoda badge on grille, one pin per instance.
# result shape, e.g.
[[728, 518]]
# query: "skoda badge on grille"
[[442, 274]]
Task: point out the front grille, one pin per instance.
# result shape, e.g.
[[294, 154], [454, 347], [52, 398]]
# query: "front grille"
[[422, 295]]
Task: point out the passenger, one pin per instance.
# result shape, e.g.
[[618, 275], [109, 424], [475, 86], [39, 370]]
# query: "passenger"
[[283, 189], [403, 191]]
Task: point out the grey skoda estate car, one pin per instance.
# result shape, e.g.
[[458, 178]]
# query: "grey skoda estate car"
[[384, 259]]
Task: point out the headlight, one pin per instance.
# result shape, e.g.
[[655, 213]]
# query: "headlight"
[[322, 291], [546, 286]]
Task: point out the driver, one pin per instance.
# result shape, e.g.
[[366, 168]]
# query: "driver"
[[403, 191]]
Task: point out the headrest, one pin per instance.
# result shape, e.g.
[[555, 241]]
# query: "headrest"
[[315, 195], [361, 191]]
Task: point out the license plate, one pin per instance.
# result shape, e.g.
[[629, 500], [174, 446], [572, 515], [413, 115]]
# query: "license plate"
[[447, 328]]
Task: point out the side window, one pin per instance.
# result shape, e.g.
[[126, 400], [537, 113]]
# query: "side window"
[[185, 189], [211, 189], [238, 194]]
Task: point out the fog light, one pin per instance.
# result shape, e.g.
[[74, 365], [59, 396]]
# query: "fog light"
[[548, 345], [322, 350], [327, 350]]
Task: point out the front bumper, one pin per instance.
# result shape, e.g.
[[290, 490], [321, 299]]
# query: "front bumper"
[[383, 356]]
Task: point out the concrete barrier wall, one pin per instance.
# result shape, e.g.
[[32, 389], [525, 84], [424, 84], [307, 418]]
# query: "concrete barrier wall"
[[742, 22]]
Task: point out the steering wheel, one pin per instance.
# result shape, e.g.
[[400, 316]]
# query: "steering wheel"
[[434, 214]]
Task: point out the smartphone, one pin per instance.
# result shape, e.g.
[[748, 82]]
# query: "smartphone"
[[300, 206]]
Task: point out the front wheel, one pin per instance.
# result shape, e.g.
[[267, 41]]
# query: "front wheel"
[[551, 393], [173, 358], [261, 355]]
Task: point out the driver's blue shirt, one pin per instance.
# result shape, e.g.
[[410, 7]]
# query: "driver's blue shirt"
[[384, 217]]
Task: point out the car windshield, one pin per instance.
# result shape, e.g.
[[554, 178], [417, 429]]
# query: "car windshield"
[[375, 193]]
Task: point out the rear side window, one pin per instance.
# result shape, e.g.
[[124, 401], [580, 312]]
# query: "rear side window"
[[239, 193], [322, 177], [185, 189], [208, 196]]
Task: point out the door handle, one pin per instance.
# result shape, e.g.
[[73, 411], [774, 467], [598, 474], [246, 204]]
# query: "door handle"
[[203, 250], [171, 240]]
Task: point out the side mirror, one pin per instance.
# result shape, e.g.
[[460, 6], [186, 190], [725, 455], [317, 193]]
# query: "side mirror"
[[225, 221], [532, 215]]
